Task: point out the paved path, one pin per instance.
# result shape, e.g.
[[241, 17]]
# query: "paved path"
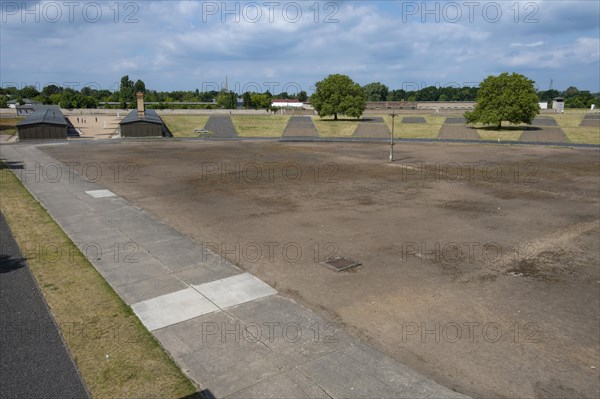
[[456, 131], [221, 126], [34, 362], [300, 126], [229, 331], [372, 127], [545, 134]]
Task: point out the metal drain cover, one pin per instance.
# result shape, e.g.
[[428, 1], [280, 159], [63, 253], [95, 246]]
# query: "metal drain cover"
[[340, 263]]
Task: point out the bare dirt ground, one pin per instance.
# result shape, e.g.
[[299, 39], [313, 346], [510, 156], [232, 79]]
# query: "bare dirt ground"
[[480, 263]]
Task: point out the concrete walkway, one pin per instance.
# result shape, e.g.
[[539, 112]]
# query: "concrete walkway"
[[34, 361], [220, 126], [300, 126], [229, 331]]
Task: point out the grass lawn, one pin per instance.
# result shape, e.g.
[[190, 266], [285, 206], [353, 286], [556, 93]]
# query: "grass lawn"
[[8, 125], [184, 125], [328, 127], [569, 122], [274, 126], [430, 129], [116, 355], [586, 135], [260, 125]]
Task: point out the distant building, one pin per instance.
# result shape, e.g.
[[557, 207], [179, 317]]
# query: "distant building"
[[281, 103], [143, 122], [558, 105], [46, 122]]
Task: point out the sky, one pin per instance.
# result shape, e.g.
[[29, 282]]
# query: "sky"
[[289, 45]]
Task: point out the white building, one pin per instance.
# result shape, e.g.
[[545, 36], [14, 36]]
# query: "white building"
[[280, 103]]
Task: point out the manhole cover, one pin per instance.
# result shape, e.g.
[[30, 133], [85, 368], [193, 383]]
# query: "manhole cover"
[[340, 263]]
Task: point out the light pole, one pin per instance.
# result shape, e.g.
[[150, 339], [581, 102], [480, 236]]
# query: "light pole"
[[393, 115]]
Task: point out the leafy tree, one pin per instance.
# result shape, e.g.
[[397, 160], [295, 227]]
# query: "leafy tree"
[[139, 86], [302, 96], [246, 100], [505, 97], [338, 94], [376, 91], [227, 100], [126, 91], [29, 92], [548, 95], [51, 89]]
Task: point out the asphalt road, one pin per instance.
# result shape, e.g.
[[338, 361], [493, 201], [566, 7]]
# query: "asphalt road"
[[34, 361]]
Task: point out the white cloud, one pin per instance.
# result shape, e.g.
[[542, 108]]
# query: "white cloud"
[[535, 44]]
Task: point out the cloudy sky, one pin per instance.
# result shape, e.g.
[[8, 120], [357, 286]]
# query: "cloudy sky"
[[289, 45]]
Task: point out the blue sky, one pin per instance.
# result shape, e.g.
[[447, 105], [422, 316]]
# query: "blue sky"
[[289, 45]]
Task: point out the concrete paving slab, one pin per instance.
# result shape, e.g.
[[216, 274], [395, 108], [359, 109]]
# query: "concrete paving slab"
[[202, 273], [294, 332], [100, 193], [124, 273], [182, 253], [289, 385], [360, 371], [215, 350], [147, 289], [235, 290], [145, 230], [172, 308], [78, 223]]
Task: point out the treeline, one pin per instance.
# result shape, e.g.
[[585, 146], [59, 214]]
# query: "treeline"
[[125, 98]]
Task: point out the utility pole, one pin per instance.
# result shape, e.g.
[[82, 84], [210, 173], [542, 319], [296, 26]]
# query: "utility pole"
[[393, 115]]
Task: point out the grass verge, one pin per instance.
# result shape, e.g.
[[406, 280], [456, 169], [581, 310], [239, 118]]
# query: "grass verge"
[[260, 125], [585, 135], [328, 127], [184, 125], [428, 130], [116, 355]]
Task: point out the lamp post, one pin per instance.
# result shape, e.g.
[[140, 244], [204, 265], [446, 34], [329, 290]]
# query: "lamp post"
[[393, 115]]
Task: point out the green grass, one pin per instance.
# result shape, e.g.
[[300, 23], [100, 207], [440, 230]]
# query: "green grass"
[[429, 129], [569, 122], [585, 135], [8, 125], [115, 353], [260, 125], [184, 125], [328, 127], [274, 126]]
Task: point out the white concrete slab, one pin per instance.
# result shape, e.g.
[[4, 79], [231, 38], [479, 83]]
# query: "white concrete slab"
[[234, 290], [172, 308], [100, 193]]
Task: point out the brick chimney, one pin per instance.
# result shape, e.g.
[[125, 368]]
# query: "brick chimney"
[[140, 105]]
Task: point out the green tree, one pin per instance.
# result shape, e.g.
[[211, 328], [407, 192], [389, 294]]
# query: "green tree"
[[302, 96], [246, 100], [376, 91], [338, 95], [126, 91], [227, 100], [505, 97], [139, 86]]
